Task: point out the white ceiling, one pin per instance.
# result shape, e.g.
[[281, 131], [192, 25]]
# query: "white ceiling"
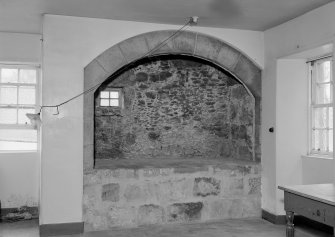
[[26, 15], [323, 50]]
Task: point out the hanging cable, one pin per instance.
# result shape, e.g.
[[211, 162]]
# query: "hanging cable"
[[191, 21]]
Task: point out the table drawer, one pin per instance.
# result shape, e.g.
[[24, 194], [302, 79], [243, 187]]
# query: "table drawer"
[[310, 208]]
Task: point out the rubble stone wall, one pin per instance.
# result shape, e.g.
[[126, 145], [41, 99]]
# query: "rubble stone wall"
[[176, 109]]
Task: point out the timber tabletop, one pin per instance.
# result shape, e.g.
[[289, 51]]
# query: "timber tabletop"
[[320, 192]]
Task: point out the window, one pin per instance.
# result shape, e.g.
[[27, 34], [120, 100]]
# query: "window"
[[110, 97], [18, 96], [321, 107]]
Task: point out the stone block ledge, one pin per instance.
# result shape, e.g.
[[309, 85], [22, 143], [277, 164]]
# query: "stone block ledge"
[[180, 165], [134, 194]]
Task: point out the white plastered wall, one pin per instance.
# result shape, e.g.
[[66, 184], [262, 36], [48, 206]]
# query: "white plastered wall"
[[70, 43], [291, 123], [19, 171], [308, 31]]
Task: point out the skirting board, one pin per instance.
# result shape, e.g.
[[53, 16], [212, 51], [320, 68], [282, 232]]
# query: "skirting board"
[[274, 219], [61, 229]]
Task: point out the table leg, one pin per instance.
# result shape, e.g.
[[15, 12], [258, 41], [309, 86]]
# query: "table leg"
[[289, 224]]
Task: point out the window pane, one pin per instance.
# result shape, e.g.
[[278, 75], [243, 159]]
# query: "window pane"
[[114, 102], [320, 117], [114, 94], [104, 102], [18, 139], [8, 116], [8, 95], [330, 140], [9, 75], [323, 71], [104, 94], [323, 95], [27, 76], [320, 140], [23, 119], [330, 119], [27, 95]]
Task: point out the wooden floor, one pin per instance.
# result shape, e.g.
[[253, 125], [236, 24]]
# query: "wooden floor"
[[227, 228]]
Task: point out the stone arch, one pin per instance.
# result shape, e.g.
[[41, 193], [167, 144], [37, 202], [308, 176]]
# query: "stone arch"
[[186, 43]]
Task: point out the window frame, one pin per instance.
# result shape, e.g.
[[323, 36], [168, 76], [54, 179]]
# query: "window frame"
[[37, 87], [312, 105], [110, 89]]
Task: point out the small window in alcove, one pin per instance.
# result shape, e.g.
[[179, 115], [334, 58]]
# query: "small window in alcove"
[[110, 98]]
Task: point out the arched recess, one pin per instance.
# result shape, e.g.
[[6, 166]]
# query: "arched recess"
[[186, 43]]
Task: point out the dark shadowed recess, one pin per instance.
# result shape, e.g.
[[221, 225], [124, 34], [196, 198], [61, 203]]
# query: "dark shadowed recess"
[[176, 108], [150, 59]]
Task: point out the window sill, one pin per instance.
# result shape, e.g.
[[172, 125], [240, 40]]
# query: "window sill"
[[315, 156], [19, 152]]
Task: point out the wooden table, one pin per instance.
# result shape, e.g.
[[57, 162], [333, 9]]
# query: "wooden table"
[[315, 201]]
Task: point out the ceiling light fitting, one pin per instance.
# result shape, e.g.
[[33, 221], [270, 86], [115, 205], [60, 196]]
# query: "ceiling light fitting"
[[194, 20]]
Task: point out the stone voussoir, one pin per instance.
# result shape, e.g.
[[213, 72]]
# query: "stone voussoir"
[[134, 48], [112, 59], [207, 47], [95, 74], [250, 74], [155, 39], [228, 57], [184, 43]]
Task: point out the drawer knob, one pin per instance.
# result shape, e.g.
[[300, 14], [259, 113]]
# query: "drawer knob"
[[318, 213]]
